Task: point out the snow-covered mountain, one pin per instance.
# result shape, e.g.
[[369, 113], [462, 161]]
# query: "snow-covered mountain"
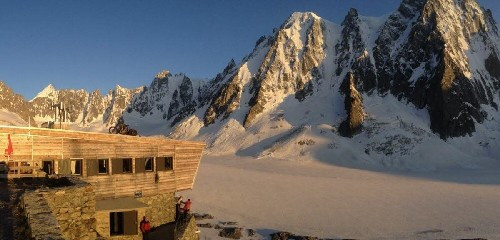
[[421, 83], [415, 89], [85, 109], [167, 100]]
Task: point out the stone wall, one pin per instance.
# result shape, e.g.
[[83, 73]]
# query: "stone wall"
[[189, 231], [70, 213], [74, 209], [67, 212], [161, 210], [41, 221]]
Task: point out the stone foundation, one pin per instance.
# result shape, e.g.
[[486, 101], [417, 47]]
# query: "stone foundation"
[[70, 213], [61, 213], [161, 210]]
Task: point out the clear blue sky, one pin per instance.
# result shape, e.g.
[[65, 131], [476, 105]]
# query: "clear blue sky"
[[96, 44]]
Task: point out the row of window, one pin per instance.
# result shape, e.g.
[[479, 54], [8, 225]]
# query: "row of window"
[[121, 165]]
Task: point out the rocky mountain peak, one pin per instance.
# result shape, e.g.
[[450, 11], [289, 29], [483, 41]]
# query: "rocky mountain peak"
[[300, 17], [230, 65], [352, 16], [408, 7], [123, 90], [49, 88], [290, 64], [163, 74], [49, 91]]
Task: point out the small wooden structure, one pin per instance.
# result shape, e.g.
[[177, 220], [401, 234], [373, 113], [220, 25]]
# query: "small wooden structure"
[[116, 165]]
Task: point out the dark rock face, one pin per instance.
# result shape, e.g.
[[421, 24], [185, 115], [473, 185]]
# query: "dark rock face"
[[290, 236], [393, 29], [225, 103], [182, 103], [205, 225], [449, 89], [453, 103], [151, 97], [353, 55], [491, 65], [203, 216], [305, 91], [351, 43], [223, 93], [231, 232], [354, 107]]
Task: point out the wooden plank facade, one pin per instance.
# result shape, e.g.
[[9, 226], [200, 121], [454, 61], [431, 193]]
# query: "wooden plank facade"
[[117, 165]]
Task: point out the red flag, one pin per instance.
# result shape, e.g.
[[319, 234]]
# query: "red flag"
[[9, 150]]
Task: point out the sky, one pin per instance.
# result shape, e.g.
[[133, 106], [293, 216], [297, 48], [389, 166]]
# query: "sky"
[[95, 44]]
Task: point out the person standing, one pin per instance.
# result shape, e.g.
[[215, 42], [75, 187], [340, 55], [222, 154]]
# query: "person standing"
[[145, 228], [186, 209], [178, 208]]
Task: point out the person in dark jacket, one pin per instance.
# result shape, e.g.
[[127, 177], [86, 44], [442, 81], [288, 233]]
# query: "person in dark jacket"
[[186, 209], [178, 208], [145, 228]]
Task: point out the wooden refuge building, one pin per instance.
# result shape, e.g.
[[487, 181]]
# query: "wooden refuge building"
[[130, 176]]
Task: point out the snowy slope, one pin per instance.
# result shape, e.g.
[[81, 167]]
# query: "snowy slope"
[[49, 91], [11, 119], [330, 202]]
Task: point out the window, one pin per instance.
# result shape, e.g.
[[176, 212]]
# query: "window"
[[76, 166], [169, 163], [164, 163], [127, 165], [149, 164], [103, 166]]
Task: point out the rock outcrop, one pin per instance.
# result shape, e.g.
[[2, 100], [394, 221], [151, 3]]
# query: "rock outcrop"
[[353, 103]]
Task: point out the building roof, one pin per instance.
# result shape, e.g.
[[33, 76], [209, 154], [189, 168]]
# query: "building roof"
[[119, 204], [94, 136]]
